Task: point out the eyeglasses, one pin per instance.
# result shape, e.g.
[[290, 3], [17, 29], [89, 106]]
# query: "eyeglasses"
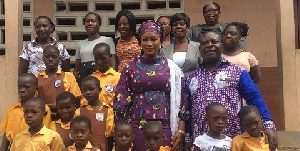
[[211, 11], [164, 24]]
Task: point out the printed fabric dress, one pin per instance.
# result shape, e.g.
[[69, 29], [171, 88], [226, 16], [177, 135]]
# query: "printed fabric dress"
[[143, 94], [126, 51]]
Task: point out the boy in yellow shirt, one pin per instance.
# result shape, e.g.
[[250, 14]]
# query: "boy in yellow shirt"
[[53, 81], [81, 131], [13, 121], [37, 137], [105, 73], [254, 137]]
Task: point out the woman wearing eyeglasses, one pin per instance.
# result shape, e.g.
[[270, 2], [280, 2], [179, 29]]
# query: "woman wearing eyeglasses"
[[164, 22], [211, 14]]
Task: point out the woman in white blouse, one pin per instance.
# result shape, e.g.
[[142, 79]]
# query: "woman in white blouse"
[[182, 51]]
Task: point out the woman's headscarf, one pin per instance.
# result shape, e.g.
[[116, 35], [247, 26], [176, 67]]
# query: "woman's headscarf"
[[151, 26]]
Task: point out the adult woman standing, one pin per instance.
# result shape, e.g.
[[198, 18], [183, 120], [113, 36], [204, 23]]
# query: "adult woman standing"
[[164, 22], [182, 51], [31, 55], [231, 36], [127, 45], [85, 64], [149, 89], [211, 14]]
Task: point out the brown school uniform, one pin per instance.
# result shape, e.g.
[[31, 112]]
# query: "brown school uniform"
[[64, 133], [63, 130], [49, 88], [98, 119]]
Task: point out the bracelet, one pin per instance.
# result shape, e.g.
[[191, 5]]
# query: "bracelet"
[[181, 131]]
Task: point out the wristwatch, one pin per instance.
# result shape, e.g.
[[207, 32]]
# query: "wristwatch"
[[181, 131]]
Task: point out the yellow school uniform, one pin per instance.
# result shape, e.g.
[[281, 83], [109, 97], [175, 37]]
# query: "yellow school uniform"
[[108, 83], [245, 142], [88, 147], [45, 140], [53, 125], [114, 149], [13, 122], [166, 148]]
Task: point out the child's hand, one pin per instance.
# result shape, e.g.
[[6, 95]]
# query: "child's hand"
[[176, 140], [271, 138]]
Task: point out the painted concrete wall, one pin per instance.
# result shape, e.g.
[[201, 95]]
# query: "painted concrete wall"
[[8, 63], [289, 63], [258, 14]]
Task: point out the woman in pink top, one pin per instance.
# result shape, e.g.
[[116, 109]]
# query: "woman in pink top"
[[231, 37]]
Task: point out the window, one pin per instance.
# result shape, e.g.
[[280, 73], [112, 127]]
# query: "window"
[[78, 7], [131, 6], [2, 8], [71, 52], [65, 21], [156, 4], [174, 4], [26, 37], [105, 6], [2, 52], [62, 36], [60, 6], [26, 22], [111, 21], [26, 7], [2, 32], [78, 36], [2, 22]]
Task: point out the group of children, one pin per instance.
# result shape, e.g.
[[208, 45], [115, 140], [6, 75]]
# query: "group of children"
[[49, 100], [253, 139], [71, 131], [29, 124]]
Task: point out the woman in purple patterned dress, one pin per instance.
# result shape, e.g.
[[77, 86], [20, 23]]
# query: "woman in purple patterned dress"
[[150, 90]]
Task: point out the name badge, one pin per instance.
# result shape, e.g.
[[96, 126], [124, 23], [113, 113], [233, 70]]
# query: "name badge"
[[109, 88], [228, 79], [57, 83], [99, 117]]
